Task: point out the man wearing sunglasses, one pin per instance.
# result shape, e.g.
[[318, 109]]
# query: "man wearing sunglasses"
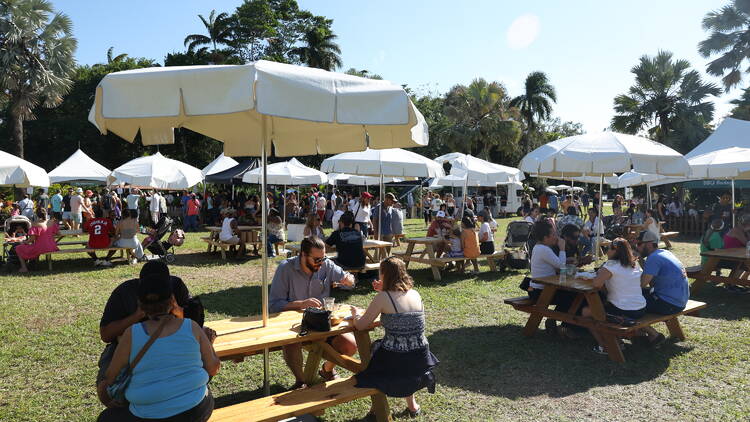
[[302, 282]]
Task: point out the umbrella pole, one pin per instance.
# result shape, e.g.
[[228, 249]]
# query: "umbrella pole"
[[648, 193], [283, 196], [594, 223], [380, 208], [733, 222], [263, 243], [465, 194]]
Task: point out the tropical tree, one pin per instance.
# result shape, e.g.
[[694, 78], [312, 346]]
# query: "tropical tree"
[[730, 39], [535, 105], [741, 108], [363, 73], [320, 49], [481, 120], [219, 30], [36, 50], [668, 100], [111, 58]]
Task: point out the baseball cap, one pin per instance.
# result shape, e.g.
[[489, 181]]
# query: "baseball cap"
[[440, 214], [88, 192], [79, 190], [155, 283], [366, 195], [647, 236]]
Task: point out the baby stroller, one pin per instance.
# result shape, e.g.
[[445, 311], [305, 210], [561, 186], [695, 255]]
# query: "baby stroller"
[[516, 241], [11, 225], [164, 248]]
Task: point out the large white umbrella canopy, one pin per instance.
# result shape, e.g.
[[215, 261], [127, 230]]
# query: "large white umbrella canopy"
[[457, 180], [727, 163], [298, 110], [372, 180], [603, 153], [79, 167], [395, 162], [479, 170], [15, 171], [290, 172], [156, 171], [252, 108], [219, 164]]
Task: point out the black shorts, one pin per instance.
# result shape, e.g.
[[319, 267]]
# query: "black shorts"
[[487, 248], [57, 215], [614, 310]]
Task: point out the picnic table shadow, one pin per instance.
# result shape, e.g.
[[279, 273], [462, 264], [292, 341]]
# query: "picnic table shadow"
[[722, 304], [235, 302], [499, 360]]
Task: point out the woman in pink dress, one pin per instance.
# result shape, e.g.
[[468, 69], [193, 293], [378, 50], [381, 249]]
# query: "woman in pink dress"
[[737, 236], [40, 241]]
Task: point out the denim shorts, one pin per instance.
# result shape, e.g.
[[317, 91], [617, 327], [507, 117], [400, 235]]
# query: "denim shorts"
[[655, 305]]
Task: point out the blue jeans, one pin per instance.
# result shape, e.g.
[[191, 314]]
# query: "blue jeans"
[[587, 244], [191, 223], [272, 238]]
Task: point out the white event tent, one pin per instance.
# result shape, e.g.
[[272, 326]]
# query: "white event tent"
[[255, 107], [156, 171], [80, 168], [219, 164], [15, 171]]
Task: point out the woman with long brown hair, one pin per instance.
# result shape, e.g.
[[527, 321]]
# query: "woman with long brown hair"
[[621, 275], [401, 362]]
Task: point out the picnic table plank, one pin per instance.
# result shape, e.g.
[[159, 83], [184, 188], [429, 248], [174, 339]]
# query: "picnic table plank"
[[736, 255]]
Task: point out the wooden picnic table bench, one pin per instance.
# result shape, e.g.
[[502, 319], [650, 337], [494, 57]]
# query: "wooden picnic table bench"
[[737, 257], [375, 250], [241, 337], [123, 251], [608, 331], [429, 257], [249, 235]]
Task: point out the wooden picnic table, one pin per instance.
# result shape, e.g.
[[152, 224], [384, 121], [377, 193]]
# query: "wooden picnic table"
[[737, 256], [247, 234], [62, 233], [241, 337], [375, 250], [427, 256]]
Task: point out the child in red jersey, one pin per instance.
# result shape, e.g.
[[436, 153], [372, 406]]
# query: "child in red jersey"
[[100, 231]]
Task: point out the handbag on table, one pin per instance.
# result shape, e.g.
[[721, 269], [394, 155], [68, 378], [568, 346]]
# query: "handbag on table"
[[315, 319]]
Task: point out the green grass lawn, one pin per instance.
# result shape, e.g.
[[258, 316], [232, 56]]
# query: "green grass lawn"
[[49, 346]]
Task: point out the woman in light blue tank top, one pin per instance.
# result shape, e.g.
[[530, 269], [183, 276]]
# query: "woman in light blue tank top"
[[170, 381]]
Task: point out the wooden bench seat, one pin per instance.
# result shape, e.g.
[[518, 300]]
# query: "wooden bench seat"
[[48, 255], [293, 403], [693, 271], [669, 235], [368, 267], [519, 301], [70, 243], [499, 255]]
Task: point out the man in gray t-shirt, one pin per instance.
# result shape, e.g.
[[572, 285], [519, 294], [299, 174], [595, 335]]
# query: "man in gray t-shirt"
[[303, 282]]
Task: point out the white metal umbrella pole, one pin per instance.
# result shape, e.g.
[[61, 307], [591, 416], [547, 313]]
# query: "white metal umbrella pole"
[[380, 208], [595, 224], [263, 243], [648, 193], [283, 206], [465, 194], [733, 222]]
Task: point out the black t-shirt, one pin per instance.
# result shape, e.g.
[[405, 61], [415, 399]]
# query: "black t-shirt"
[[123, 301], [66, 203], [349, 246]]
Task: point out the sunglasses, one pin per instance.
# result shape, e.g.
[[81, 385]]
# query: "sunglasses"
[[319, 260]]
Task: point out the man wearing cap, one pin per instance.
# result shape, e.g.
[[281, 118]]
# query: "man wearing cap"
[[303, 282], [664, 281], [76, 209], [122, 311]]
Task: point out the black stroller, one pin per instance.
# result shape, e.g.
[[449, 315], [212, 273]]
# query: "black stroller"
[[11, 225], [164, 249], [516, 244]]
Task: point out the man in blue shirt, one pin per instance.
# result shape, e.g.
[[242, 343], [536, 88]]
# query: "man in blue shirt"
[[386, 216], [302, 282], [665, 275], [553, 202], [56, 203]]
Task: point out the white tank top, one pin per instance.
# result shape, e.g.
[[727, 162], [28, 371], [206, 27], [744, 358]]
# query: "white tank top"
[[226, 230], [653, 227]]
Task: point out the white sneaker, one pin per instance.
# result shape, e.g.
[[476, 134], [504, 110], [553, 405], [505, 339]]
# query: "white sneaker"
[[106, 263], [98, 262], [133, 261]]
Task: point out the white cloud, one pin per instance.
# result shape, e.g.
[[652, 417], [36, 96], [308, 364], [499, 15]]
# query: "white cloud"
[[523, 31], [380, 58]]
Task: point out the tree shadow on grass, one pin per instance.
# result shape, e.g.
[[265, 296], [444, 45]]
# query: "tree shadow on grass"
[[499, 360], [722, 304], [236, 302]]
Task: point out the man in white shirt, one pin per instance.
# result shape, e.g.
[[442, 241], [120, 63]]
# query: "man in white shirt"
[[26, 206], [435, 205], [337, 216], [76, 208], [132, 200], [154, 206]]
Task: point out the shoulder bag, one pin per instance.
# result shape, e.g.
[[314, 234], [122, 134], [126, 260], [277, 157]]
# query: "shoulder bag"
[[315, 319], [117, 390]]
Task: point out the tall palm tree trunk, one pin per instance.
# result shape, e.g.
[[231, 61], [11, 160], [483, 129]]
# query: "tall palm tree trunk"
[[17, 128]]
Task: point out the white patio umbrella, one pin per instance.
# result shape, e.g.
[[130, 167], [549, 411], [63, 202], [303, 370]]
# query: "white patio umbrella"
[[394, 162], [728, 163], [478, 172], [372, 180], [156, 171], [15, 171], [258, 106], [219, 164], [79, 167], [601, 154]]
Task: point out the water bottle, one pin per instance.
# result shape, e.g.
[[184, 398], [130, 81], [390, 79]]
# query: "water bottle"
[[747, 250], [564, 274]]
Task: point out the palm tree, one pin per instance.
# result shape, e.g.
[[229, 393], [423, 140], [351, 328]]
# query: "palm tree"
[[219, 32], [320, 49], [115, 59], [36, 49], [481, 119], [741, 108], [535, 104], [730, 37], [364, 73], [668, 100]]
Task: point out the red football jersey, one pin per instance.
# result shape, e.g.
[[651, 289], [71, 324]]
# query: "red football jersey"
[[99, 230]]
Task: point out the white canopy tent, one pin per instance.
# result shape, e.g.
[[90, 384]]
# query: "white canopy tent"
[[255, 107], [81, 168], [15, 171], [394, 162], [601, 154], [351, 179], [219, 164], [156, 171], [290, 172]]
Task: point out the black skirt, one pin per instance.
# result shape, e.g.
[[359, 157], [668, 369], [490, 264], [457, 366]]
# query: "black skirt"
[[487, 248], [398, 374]]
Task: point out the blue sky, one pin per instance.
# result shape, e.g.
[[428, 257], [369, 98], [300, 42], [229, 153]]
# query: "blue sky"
[[586, 47]]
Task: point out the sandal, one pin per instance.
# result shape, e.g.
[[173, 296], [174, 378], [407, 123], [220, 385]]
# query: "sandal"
[[328, 376]]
